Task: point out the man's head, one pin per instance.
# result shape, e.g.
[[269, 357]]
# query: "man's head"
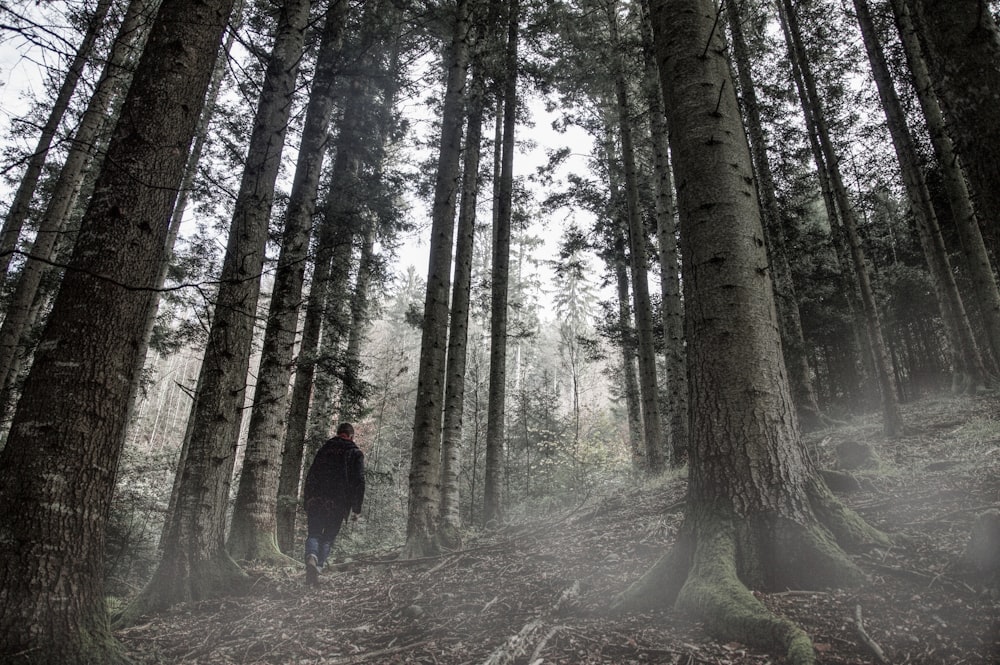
[[345, 431]]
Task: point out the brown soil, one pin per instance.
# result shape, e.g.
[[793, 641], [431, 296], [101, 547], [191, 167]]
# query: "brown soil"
[[538, 592]]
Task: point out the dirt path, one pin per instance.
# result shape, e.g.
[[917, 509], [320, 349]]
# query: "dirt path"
[[541, 590]]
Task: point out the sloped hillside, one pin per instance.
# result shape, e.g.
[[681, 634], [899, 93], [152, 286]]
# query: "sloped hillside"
[[538, 591]]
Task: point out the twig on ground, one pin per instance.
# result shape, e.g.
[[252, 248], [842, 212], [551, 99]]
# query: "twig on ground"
[[362, 657], [515, 645], [536, 655], [869, 642]]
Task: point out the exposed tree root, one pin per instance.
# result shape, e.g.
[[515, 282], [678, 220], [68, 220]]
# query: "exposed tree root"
[[852, 532], [716, 556], [181, 581], [714, 593], [263, 549]]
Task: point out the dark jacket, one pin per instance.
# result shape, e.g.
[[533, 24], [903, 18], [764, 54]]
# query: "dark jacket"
[[337, 474]]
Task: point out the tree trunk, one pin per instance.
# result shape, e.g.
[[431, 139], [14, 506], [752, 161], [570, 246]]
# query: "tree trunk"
[[666, 235], [65, 442], [859, 349], [649, 389], [353, 393], [977, 259], [492, 502], [114, 82], [309, 168], [751, 483], [793, 342], [191, 171], [195, 564], [425, 459], [967, 363], [962, 44], [343, 213], [630, 383], [892, 420], [253, 534], [21, 205], [449, 533]]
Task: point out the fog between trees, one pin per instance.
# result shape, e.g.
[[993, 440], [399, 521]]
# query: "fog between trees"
[[781, 218]]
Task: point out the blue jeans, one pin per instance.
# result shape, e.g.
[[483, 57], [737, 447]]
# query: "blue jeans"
[[323, 522]]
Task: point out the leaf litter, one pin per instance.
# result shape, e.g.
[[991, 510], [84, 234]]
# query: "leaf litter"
[[539, 592]]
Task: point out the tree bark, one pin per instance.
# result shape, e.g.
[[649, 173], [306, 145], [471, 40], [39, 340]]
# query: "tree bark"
[[353, 393], [962, 44], [967, 363], [649, 389], [977, 259], [751, 483], [254, 531], [666, 235], [425, 458], [492, 500], [195, 564], [21, 205], [114, 82], [343, 213], [630, 383], [793, 341], [892, 421], [449, 533], [65, 442], [302, 206]]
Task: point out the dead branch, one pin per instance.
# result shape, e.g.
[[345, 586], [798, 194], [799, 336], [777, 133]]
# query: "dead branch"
[[515, 645], [536, 655], [362, 657], [872, 645]]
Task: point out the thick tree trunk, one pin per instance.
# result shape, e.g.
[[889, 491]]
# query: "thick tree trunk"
[[672, 305], [492, 501], [195, 563], [649, 388], [190, 172], [425, 459], [967, 363], [793, 342], [114, 82], [892, 420], [977, 258], [751, 483], [21, 205], [62, 453], [253, 534], [962, 44]]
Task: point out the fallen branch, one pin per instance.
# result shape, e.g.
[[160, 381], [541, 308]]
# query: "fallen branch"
[[869, 642], [515, 645], [362, 657], [919, 576], [536, 655]]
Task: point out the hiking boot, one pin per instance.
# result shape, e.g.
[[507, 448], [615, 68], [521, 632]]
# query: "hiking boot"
[[312, 570]]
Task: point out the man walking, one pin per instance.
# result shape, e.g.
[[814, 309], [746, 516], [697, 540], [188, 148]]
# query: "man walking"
[[334, 487]]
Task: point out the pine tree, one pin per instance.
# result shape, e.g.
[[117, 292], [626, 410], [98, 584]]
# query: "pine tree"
[[60, 459], [748, 485], [195, 563]]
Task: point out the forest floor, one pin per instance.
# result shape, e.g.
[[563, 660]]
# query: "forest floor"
[[539, 591]]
